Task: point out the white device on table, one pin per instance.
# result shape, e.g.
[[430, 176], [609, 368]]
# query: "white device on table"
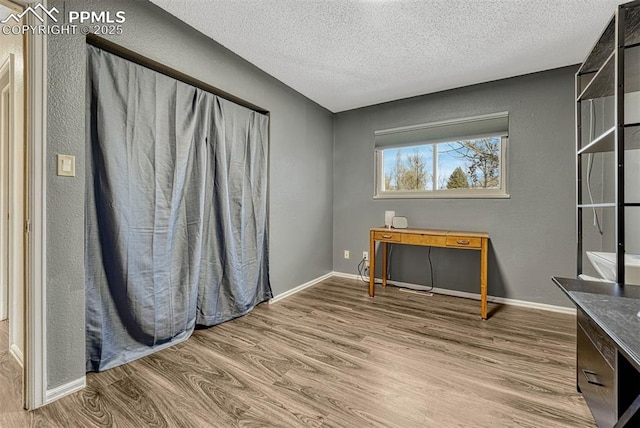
[[399, 223], [388, 218]]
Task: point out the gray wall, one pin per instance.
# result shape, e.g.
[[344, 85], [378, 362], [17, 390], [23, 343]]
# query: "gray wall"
[[301, 184], [532, 233]]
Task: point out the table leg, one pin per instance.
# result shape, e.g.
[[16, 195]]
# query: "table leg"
[[372, 265], [483, 278], [384, 264]]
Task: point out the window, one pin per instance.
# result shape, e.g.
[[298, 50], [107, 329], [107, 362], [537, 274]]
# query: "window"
[[454, 159]]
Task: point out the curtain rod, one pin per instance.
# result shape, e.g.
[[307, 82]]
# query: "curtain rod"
[[132, 56]]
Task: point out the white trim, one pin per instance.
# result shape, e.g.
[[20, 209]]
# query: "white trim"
[[442, 194], [17, 354], [467, 295], [66, 389], [10, 5], [6, 259], [36, 394], [533, 305], [299, 288], [441, 123], [15, 198]]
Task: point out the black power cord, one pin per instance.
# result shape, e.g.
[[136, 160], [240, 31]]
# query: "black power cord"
[[430, 267], [389, 268], [362, 268]]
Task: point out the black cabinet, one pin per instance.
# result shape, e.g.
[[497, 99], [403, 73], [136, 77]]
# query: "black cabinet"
[[595, 370], [608, 349]]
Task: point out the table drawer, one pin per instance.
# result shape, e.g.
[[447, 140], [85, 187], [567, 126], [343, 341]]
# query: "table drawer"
[[601, 341], [427, 240], [387, 236], [596, 380], [463, 242]]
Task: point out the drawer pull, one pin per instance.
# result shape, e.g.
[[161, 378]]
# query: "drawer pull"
[[386, 236], [592, 377], [462, 242]]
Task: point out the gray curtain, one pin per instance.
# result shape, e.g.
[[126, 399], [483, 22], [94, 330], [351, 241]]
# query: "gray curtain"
[[176, 210]]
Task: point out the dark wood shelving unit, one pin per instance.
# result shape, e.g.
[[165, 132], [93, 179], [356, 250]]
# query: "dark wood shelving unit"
[[608, 349], [612, 69]]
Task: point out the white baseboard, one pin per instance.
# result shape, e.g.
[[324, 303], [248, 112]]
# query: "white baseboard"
[[17, 354], [533, 305], [299, 288], [474, 296], [64, 390]]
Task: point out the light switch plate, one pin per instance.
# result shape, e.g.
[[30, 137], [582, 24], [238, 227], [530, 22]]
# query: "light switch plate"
[[66, 166]]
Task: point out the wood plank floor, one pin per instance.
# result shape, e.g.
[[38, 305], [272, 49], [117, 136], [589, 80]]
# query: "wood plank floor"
[[330, 356], [11, 413]]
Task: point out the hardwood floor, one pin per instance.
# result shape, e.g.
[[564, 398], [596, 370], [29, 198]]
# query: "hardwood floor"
[[11, 413], [330, 356]]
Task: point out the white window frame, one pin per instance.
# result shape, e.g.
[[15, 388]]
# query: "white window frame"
[[475, 193]]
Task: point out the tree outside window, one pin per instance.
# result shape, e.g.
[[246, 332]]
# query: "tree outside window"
[[472, 165]]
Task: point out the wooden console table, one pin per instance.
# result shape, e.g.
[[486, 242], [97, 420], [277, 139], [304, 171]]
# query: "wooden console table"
[[429, 238]]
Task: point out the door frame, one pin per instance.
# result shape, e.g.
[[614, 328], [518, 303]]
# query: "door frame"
[[35, 62], [35, 197], [13, 182], [6, 73]]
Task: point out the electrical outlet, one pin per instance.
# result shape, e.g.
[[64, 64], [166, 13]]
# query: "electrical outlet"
[[346, 254], [365, 255]]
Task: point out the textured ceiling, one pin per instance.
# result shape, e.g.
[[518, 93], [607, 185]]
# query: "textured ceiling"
[[345, 54]]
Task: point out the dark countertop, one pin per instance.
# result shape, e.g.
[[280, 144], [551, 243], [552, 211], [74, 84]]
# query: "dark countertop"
[[613, 307]]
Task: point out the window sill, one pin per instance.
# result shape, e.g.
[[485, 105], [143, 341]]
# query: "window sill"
[[444, 196]]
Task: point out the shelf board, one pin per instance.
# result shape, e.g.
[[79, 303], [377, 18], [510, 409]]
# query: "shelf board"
[[602, 205], [632, 26], [601, 50], [603, 82], [606, 43], [632, 136], [606, 142], [632, 59]]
